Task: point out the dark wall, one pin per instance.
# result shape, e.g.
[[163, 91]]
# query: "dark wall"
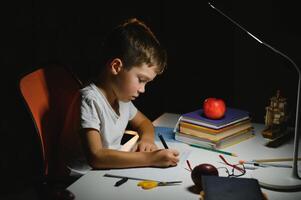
[[259, 72], [208, 57]]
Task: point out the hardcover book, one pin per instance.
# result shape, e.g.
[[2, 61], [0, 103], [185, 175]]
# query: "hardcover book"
[[221, 188], [189, 128], [231, 116], [216, 137], [217, 143]]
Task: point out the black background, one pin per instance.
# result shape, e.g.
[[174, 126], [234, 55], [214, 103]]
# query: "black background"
[[208, 56]]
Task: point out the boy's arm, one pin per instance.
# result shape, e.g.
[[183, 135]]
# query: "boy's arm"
[[146, 132], [100, 158]]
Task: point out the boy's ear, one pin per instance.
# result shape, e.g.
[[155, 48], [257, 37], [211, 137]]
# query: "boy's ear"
[[116, 66]]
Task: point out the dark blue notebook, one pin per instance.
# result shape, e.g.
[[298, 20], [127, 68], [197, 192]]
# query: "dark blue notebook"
[[231, 116], [222, 188]]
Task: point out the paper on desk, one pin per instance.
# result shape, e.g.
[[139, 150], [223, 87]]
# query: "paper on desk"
[[149, 173], [153, 173]]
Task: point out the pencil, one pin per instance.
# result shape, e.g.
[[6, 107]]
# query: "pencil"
[[163, 141], [274, 160], [121, 181], [215, 150], [265, 164]]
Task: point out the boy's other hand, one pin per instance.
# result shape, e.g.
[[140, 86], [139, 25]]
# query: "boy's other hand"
[[145, 146]]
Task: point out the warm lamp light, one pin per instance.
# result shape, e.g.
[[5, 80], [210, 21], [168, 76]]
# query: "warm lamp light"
[[272, 177]]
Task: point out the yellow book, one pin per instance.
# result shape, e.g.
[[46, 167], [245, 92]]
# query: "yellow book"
[[216, 144], [216, 137]]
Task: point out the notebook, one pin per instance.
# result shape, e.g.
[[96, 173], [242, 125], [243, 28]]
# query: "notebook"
[[224, 188]]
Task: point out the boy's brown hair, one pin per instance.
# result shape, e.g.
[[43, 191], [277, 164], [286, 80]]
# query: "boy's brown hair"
[[135, 44]]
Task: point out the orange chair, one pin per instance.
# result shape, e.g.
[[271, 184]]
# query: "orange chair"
[[49, 93]]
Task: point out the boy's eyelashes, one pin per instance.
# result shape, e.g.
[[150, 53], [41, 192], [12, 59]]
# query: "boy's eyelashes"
[[141, 80]]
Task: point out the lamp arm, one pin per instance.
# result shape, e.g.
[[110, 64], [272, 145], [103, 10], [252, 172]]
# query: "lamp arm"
[[296, 136], [296, 140]]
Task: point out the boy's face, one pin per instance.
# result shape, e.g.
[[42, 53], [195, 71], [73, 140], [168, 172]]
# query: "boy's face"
[[130, 83]]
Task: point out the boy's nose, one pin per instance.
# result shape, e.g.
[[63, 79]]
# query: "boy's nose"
[[141, 89]]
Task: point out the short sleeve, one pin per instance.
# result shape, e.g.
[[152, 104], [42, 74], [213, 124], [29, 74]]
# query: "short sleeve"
[[133, 110], [89, 113]]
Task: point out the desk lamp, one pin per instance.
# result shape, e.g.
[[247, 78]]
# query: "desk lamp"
[[275, 177]]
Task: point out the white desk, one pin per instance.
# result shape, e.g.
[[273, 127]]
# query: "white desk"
[[94, 186]]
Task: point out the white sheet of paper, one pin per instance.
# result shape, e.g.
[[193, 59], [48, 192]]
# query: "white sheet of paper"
[[153, 173]]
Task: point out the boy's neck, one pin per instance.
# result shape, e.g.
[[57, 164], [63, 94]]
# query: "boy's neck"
[[109, 94]]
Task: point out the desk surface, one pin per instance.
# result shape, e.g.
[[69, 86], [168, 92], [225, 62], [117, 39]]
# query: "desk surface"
[[94, 185]]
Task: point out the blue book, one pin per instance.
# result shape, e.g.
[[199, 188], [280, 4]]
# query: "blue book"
[[167, 132], [231, 117]]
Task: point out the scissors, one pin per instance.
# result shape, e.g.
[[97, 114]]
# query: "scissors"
[[145, 184], [152, 184]]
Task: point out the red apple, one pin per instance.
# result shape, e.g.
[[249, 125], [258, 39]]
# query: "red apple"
[[201, 170], [214, 108]]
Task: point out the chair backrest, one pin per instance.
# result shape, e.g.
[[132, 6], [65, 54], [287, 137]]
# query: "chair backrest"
[[48, 93]]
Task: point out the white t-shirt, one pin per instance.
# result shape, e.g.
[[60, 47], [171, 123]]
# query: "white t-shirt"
[[97, 113]]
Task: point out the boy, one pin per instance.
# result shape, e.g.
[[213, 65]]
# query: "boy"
[[131, 57]]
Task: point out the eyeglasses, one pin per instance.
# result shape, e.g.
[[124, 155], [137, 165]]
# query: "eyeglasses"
[[236, 171]]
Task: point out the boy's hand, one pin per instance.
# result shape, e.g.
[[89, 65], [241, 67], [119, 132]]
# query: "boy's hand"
[[165, 158], [145, 146]]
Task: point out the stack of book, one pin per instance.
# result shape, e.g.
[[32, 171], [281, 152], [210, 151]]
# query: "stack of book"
[[195, 128]]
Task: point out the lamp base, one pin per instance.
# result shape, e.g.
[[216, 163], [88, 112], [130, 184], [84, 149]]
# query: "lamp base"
[[276, 178]]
